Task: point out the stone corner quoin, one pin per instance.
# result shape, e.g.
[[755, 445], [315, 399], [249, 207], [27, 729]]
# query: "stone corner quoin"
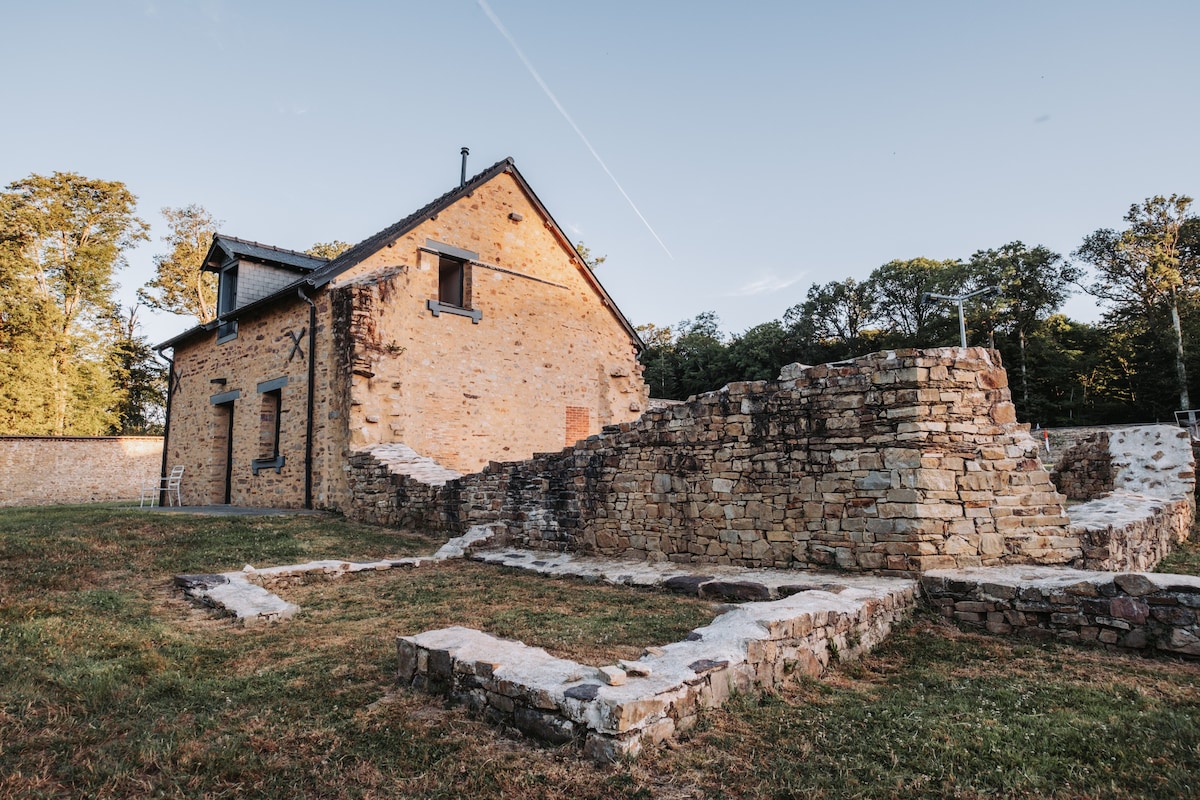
[[894, 463]]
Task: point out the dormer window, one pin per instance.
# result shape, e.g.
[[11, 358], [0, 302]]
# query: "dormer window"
[[227, 301]]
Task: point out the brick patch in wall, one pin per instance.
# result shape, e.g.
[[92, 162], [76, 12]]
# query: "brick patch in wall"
[[579, 424]]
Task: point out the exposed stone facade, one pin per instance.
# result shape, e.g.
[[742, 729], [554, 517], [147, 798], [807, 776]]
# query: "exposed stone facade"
[[44, 470], [897, 462], [536, 354]]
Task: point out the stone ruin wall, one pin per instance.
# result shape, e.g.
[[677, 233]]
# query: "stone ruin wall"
[[1084, 471], [895, 463], [1139, 483]]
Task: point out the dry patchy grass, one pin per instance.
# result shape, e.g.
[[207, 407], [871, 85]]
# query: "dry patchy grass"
[[112, 687]]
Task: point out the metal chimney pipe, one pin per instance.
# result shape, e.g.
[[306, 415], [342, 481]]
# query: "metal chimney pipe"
[[462, 180]]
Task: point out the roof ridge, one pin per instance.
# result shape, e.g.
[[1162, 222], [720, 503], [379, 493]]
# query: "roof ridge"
[[366, 247], [277, 249]]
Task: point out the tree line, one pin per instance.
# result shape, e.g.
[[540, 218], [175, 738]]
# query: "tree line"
[[1136, 364], [73, 363]]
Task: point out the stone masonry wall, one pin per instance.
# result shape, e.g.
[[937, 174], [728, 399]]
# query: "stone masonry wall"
[[749, 648], [44, 470], [545, 363], [1084, 470], [1134, 611], [897, 462], [1145, 479]]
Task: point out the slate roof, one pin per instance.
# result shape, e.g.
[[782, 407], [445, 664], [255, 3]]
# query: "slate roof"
[[329, 270], [255, 251]]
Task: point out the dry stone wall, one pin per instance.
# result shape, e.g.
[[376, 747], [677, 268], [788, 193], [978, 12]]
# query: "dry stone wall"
[[897, 462], [1133, 611], [616, 710], [1140, 483], [43, 470], [1084, 470]]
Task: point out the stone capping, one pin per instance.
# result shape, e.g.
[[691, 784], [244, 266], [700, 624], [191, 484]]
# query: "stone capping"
[[1141, 611], [615, 710]]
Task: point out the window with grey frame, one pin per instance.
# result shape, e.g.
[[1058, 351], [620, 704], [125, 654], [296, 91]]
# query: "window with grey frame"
[[454, 292], [270, 422], [227, 302], [452, 280]]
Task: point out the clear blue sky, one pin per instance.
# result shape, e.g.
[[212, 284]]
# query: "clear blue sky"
[[769, 145]]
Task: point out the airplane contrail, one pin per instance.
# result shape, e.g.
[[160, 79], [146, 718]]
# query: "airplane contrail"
[[521, 55]]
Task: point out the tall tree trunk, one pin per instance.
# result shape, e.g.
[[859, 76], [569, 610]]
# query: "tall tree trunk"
[[1185, 402]]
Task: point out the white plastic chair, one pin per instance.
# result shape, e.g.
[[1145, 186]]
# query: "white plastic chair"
[[168, 483]]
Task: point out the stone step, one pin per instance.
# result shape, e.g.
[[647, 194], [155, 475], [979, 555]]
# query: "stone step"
[[403, 460]]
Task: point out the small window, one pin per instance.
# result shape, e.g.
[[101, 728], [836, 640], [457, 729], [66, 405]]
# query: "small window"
[[227, 302], [451, 281], [268, 425], [270, 417]]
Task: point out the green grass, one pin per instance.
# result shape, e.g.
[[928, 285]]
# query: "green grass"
[[111, 686], [1185, 560]]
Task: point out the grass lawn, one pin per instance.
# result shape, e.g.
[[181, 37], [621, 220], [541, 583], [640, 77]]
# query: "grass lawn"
[[112, 686]]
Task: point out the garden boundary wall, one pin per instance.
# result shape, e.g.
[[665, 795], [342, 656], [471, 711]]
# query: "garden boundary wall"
[[48, 470]]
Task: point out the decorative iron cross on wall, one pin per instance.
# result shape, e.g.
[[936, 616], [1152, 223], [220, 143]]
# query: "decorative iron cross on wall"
[[297, 338]]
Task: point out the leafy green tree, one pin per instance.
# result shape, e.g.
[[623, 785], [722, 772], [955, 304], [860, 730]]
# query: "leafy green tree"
[[690, 360], [1033, 283], [832, 320], [180, 286], [900, 286], [62, 237], [1144, 273], [330, 250], [759, 353], [140, 379]]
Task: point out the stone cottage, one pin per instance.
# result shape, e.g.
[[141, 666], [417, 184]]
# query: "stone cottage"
[[470, 331]]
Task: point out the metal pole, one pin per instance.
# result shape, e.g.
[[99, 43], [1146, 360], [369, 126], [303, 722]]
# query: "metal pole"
[[962, 324]]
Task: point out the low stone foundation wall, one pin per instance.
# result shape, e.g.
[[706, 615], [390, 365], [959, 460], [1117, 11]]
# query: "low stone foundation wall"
[[1125, 531], [615, 710], [47, 470], [1132, 611]]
